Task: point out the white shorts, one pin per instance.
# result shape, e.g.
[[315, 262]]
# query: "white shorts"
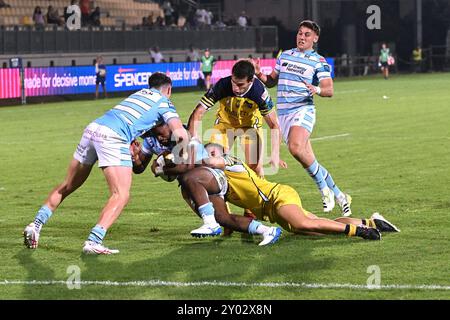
[[304, 117], [221, 179], [103, 144]]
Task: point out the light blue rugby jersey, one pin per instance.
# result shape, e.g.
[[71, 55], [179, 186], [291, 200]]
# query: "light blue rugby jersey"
[[138, 113], [293, 68], [152, 146]]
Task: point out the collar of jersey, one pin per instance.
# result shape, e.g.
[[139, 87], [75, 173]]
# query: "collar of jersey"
[[156, 90], [249, 88], [305, 52]]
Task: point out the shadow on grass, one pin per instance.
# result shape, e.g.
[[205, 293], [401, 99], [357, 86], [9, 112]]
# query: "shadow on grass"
[[36, 271], [212, 261], [166, 272]]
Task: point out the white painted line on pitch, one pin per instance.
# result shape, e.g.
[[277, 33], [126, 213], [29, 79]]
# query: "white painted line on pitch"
[[71, 141], [160, 283], [331, 137], [350, 91]]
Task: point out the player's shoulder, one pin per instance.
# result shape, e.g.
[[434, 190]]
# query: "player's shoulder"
[[258, 86], [224, 82], [149, 142], [223, 86], [160, 99], [315, 56], [287, 53], [151, 145], [258, 90], [152, 94], [166, 103]]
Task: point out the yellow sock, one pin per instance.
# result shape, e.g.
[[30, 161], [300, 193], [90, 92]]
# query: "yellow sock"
[[370, 223], [351, 230]]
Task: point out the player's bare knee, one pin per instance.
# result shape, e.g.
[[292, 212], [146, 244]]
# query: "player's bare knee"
[[122, 196], [66, 188], [186, 180], [124, 199], [125, 196], [191, 180], [296, 148]]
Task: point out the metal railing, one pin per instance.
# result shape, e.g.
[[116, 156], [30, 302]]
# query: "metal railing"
[[434, 58], [437, 58], [29, 40]]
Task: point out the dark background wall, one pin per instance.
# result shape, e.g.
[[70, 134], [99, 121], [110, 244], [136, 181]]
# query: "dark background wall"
[[343, 23]]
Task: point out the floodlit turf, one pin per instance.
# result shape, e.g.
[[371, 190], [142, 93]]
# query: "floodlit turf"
[[391, 154]]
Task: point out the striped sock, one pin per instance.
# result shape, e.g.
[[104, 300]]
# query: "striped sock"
[[97, 234], [350, 230], [256, 227], [369, 223], [315, 172], [330, 182], [42, 217], [207, 213], [253, 226]]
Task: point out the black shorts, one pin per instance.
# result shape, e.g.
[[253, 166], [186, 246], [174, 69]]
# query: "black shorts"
[[384, 64], [100, 80], [207, 73]]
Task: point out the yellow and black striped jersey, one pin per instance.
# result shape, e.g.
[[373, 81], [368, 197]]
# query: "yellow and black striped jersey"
[[244, 111], [245, 188]]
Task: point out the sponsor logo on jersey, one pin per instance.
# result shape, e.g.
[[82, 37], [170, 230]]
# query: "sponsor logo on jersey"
[[292, 67]]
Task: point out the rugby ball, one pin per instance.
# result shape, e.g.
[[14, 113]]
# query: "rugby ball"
[[166, 159]]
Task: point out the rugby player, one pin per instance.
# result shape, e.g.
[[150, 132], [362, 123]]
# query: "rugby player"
[[275, 202], [243, 103], [301, 73], [107, 139], [158, 142]]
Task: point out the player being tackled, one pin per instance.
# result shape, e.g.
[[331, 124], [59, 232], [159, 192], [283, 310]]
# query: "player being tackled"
[[277, 203]]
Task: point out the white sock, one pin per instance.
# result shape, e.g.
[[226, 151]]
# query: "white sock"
[[262, 229], [209, 219]]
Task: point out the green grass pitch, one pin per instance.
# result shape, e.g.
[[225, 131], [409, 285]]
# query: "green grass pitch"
[[391, 154]]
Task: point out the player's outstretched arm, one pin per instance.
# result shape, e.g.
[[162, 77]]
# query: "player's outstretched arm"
[[177, 169], [180, 135], [326, 88], [195, 120], [269, 80], [275, 139], [172, 164], [140, 159]]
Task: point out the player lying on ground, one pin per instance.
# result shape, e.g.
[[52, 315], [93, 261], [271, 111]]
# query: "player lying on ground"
[[157, 144], [276, 202], [243, 104]]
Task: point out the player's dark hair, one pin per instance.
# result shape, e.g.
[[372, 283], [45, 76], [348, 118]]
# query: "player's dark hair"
[[311, 25], [215, 145], [243, 69], [158, 79]]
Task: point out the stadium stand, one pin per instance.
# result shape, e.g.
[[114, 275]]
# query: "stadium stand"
[[121, 39], [114, 12]]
